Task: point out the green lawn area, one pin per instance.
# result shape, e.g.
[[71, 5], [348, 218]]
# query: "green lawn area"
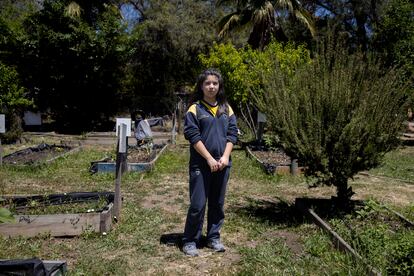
[[397, 164], [263, 233]]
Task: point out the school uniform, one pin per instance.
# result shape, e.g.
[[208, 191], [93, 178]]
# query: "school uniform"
[[203, 124]]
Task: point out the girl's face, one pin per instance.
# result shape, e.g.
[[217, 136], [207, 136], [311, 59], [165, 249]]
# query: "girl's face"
[[210, 88]]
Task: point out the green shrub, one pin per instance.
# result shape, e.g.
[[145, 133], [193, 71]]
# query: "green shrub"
[[241, 70], [338, 114], [401, 259]]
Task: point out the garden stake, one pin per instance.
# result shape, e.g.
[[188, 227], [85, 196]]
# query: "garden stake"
[[2, 130], [1, 154], [338, 241], [121, 162]]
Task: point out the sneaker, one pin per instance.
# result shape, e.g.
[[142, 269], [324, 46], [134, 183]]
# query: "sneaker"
[[190, 249], [216, 245]]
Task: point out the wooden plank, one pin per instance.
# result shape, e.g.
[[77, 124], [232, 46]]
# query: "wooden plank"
[[76, 149], [57, 225], [339, 242], [152, 163], [131, 167], [280, 168], [405, 220]]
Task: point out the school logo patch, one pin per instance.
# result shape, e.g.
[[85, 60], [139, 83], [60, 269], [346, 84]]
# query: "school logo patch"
[[203, 117]]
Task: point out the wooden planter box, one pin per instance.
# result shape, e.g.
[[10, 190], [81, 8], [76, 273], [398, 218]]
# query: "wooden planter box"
[[273, 168], [59, 225], [28, 151], [109, 167]]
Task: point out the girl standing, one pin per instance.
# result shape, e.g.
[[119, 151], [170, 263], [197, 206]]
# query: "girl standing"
[[210, 127]]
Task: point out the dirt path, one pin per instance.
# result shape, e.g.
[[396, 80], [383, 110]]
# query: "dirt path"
[[171, 197]]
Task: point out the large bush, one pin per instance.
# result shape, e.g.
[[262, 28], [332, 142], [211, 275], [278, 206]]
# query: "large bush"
[[240, 67], [338, 114], [241, 70]]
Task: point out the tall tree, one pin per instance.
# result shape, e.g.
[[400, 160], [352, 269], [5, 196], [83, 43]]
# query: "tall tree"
[[70, 63], [13, 99], [263, 15], [394, 35], [355, 19], [166, 45]]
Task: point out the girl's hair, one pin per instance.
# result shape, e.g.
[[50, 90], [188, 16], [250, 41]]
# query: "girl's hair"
[[221, 98]]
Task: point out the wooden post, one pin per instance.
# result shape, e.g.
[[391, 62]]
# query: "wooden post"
[[294, 167], [261, 120], [1, 154], [173, 131], [2, 130], [180, 116], [120, 168]]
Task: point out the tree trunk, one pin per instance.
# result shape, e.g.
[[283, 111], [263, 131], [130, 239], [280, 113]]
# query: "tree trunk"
[[344, 193]]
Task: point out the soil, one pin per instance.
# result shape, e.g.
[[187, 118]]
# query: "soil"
[[277, 156], [291, 239], [34, 155], [143, 154]]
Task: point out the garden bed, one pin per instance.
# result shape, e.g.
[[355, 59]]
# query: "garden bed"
[[43, 153], [374, 234], [383, 238], [68, 214], [273, 161], [139, 159]]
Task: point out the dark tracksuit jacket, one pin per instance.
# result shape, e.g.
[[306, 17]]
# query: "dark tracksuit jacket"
[[201, 124]]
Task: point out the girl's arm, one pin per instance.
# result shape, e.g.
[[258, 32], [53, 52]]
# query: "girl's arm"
[[231, 139], [212, 163], [224, 160]]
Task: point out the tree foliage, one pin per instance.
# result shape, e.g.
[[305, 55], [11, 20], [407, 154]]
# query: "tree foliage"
[[355, 19], [70, 63], [241, 72], [395, 34], [264, 17], [338, 114], [241, 68], [13, 99], [166, 45]]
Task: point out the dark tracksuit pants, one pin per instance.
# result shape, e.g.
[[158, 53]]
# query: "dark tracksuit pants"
[[206, 186]]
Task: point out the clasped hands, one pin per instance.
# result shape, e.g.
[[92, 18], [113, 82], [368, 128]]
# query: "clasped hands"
[[218, 165]]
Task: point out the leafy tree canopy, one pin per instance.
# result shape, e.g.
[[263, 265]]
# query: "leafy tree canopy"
[[13, 99], [242, 68], [70, 64], [166, 45], [395, 34]]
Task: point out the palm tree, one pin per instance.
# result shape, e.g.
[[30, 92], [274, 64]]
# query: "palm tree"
[[262, 15]]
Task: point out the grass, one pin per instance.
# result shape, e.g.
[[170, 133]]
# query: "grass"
[[380, 238], [263, 233], [397, 164]]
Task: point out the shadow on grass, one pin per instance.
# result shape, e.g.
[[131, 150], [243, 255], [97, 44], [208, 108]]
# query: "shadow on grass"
[[280, 212], [277, 212], [176, 239], [172, 239]]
